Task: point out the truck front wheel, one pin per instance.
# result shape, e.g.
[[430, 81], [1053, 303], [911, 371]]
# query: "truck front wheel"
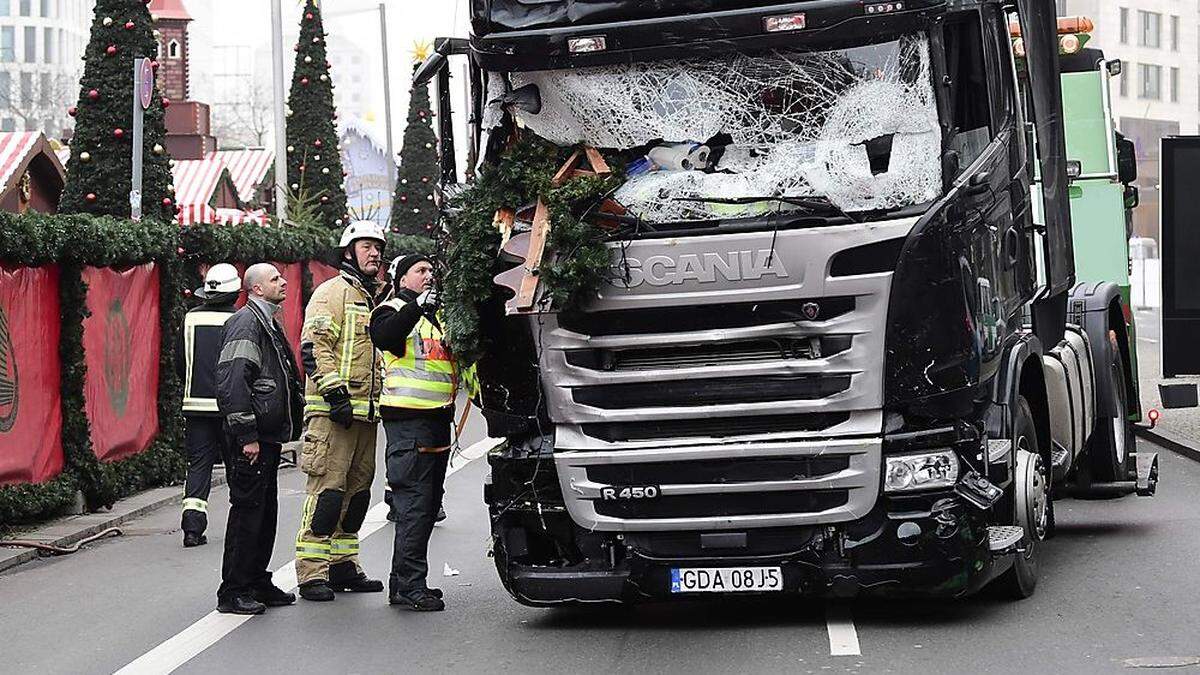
[[1031, 506], [1112, 441]]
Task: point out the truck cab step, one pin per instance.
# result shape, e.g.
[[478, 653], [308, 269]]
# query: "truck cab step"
[[1002, 538]]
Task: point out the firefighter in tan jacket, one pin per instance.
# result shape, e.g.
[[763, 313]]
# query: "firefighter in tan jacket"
[[342, 413]]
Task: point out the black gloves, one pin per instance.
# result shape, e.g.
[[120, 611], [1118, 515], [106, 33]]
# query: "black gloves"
[[340, 410]]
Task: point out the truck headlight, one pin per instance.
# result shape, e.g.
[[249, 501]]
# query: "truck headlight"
[[905, 473]]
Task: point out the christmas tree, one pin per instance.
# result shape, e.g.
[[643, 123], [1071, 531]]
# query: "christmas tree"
[[99, 171], [314, 163], [413, 210]]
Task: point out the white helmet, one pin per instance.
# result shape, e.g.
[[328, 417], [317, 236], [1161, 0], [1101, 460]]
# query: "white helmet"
[[362, 229], [220, 278]]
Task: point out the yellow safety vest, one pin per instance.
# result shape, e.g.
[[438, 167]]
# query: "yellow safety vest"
[[426, 377], [192, 321]]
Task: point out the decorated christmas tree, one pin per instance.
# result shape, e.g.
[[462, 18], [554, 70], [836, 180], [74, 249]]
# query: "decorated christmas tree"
[[314, 163], [99, 172], [413, 210]]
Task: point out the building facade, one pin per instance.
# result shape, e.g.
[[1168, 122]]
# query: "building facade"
[[1156, 95], [41, 60]]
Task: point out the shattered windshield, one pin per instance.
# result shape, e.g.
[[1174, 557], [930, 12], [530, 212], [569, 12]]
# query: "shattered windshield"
[[856, 128]]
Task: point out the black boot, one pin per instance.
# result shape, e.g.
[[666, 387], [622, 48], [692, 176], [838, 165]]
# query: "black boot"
[[420, 600], [192, 539], [241, 605], [344, 577], [273, 596], [317, 590]]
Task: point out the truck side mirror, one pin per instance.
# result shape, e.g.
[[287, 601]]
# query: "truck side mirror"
[[1127, 171], [1115, 67]]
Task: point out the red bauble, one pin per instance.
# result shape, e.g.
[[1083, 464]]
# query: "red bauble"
[[166, 102], [166, 201], [91, 196], [118, 133], [301, 168], [94, 94], [317, 143], [395, 229], [403, 199], [111, 50], [154, 65], [296, 48], [304, 81], [324, 199], [180, 251], [72, 111], [308, 16], [128, 25], [424, 179], [187, 292]]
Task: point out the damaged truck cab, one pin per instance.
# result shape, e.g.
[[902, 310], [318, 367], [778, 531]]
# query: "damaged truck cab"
[[843, 349]]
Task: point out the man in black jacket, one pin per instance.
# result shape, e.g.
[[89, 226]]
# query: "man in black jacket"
[[196, 355], [258, 392]]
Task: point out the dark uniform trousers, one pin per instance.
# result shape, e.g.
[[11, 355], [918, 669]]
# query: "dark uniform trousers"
[[253, 512], [418, 481], [205, 447]]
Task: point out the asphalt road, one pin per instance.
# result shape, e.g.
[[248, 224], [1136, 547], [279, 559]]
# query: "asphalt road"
[[1121, 581]]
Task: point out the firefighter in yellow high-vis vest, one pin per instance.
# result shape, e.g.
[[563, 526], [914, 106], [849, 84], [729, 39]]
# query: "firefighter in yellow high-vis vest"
[[421, 380], [341, 414]]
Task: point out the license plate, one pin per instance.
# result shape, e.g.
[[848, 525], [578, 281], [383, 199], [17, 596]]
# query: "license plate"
[[725, 579]]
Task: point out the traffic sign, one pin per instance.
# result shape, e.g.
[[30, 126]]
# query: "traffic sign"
[[145, 82]]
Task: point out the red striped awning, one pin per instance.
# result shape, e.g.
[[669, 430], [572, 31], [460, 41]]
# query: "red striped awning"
[[196, 180], [15, 146], [248, 168]]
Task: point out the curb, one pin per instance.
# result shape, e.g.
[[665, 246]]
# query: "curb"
[[71, 529], [1169, 441]]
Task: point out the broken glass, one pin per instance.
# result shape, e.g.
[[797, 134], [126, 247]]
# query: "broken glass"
[[858, 126]]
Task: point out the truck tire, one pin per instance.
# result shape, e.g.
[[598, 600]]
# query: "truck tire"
[[1111, 444], [1032, 507]]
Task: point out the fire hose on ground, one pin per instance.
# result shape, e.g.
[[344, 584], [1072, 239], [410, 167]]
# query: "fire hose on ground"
[[45, 549]]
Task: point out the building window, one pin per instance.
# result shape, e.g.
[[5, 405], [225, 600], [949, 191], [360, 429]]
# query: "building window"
[[1151, 23], [1151, 80], [26, 88], [8, 36], [25, 7], [48, 45], [5, 87], [30, 44], [1174, 33], [1124, 26], [1124, 79], [45, 90], [46, 8], [5, 8], [173, 49], [7, 124], [1174, 85]]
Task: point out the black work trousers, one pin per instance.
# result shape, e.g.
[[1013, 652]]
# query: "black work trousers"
[[205, 442], [253, 512], [418, 481]]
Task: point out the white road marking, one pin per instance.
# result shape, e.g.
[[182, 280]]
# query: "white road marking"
[[185, 645], [843, 636], [1145, 339]]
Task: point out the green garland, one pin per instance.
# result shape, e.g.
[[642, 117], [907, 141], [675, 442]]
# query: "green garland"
[[75, 242], [522, 176]]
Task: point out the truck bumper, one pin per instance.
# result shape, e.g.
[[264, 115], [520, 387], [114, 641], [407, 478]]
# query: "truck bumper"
[[947, 557]]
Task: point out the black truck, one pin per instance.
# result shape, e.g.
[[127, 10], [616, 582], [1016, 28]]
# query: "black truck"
[[844, 351]]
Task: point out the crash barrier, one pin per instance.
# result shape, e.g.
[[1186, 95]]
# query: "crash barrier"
[[89, 313]]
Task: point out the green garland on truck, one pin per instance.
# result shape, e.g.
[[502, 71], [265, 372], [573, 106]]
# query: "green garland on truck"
[[523, 175]]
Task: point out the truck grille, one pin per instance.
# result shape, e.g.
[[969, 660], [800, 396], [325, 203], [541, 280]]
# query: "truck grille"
[[725, 505], [752, 402]]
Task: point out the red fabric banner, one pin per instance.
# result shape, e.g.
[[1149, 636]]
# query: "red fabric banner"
[[30, 377], [292, 317], [122, 340], [320, 273]]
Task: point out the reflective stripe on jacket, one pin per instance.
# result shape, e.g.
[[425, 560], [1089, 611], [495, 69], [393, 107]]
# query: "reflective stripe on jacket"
[[426, 377], [337, 349], [201, 346]]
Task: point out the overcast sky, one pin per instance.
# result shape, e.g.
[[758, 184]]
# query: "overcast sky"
[[248, 23]]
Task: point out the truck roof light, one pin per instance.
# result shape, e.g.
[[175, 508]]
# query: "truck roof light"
[[884, 7], [1074, 169], [1019, 48], [584, 45], [1069, 44], [1067, 25], [783, 23]]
